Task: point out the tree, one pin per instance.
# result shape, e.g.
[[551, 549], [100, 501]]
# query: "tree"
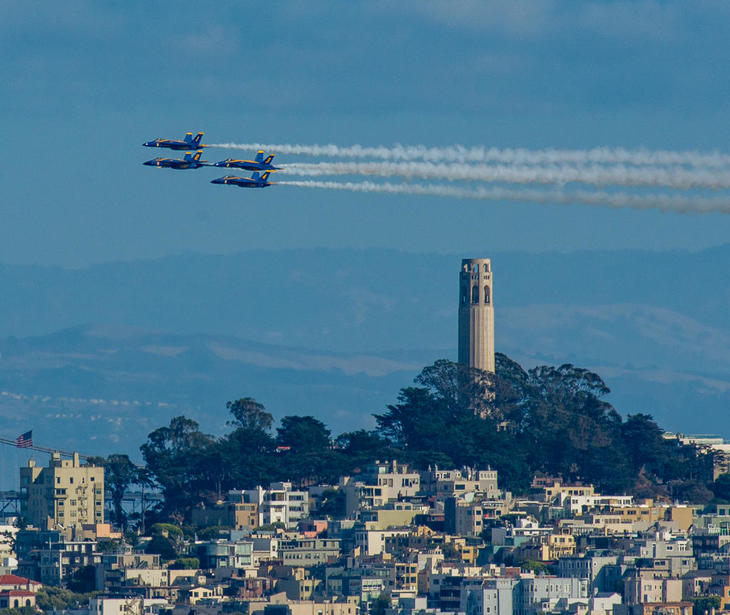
[[571, 430], [704, 605], [185, 563], [358, 448], [174, 456], [119, 474], [249, 414], [83, 580], [162, 546], [56, 599], [380, 604], [721, 488], [308, 457], [303, 434], [248, 449], [332, 504]]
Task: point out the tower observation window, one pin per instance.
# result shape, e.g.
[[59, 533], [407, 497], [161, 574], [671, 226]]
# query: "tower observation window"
[[475, 294], [487, 296]]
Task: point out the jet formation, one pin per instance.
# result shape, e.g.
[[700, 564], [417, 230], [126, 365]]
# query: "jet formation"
[[192, 161]]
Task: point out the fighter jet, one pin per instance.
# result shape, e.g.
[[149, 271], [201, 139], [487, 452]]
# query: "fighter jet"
[[244, 182], [188, 143], [259, 164], [190, 161]]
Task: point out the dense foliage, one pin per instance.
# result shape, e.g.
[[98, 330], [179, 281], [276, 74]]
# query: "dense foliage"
[[549, 420], [50, 598]]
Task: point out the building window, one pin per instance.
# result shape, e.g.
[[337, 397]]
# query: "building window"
[[475, 294], [486, 294]]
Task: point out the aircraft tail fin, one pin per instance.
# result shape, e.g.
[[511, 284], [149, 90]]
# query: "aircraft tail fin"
[[269, 159], [196, 140], [259, 156], [188, 157], [188, 137], [255, 176], [265, 176], [197, 155]]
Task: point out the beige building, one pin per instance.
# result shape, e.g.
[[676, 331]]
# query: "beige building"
[[237, 515], [393, 514], [65, 493], [476, 314], [382, 482], [551, 488], [349, 606], [308, 551]]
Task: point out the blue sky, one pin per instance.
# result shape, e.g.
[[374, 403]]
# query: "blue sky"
[[84, 83]]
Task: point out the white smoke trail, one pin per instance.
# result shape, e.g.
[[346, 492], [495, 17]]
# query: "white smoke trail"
[[671, 177], [462, 154], [669, 203]]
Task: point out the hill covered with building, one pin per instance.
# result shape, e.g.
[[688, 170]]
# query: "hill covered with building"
[[521, 492]]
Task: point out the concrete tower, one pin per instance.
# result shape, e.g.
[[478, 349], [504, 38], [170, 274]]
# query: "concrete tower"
[[476, 314]]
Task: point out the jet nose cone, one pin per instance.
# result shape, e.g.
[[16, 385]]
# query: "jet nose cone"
[[149, 163], [217, 181]]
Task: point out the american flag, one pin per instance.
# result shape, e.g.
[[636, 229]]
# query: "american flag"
[[24, 440]]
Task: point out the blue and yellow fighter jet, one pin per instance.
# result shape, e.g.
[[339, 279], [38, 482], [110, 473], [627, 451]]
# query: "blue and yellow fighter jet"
[[259, 164], [255, 181], [190, 161], [188, 143]]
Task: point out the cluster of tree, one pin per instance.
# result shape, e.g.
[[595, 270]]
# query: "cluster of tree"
[[549, 420], [190, 466], [50, 598], [22, 610]]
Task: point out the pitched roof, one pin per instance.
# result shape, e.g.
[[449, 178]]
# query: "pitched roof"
[[14, 579]]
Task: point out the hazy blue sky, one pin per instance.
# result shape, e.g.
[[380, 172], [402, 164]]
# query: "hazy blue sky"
[[84, 83]]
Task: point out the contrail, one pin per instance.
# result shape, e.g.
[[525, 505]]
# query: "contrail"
[[671, 177], [668, 203], [462, 154]]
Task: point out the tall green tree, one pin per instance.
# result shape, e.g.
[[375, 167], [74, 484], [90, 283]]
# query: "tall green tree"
[[249, 414], [248, 449], [305, 450], [120, 473], [175, 458]]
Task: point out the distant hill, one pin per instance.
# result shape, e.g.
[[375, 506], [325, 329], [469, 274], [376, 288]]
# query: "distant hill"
[[112, 351]]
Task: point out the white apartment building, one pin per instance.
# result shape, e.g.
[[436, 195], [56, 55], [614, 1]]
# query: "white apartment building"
[[279, 503], [487, 597], [541, 594]]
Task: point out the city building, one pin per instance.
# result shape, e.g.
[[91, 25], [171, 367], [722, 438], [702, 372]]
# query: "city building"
[[278, 503], [66, 494]]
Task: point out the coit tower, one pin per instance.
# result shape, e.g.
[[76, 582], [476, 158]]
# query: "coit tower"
[[476, 314]]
